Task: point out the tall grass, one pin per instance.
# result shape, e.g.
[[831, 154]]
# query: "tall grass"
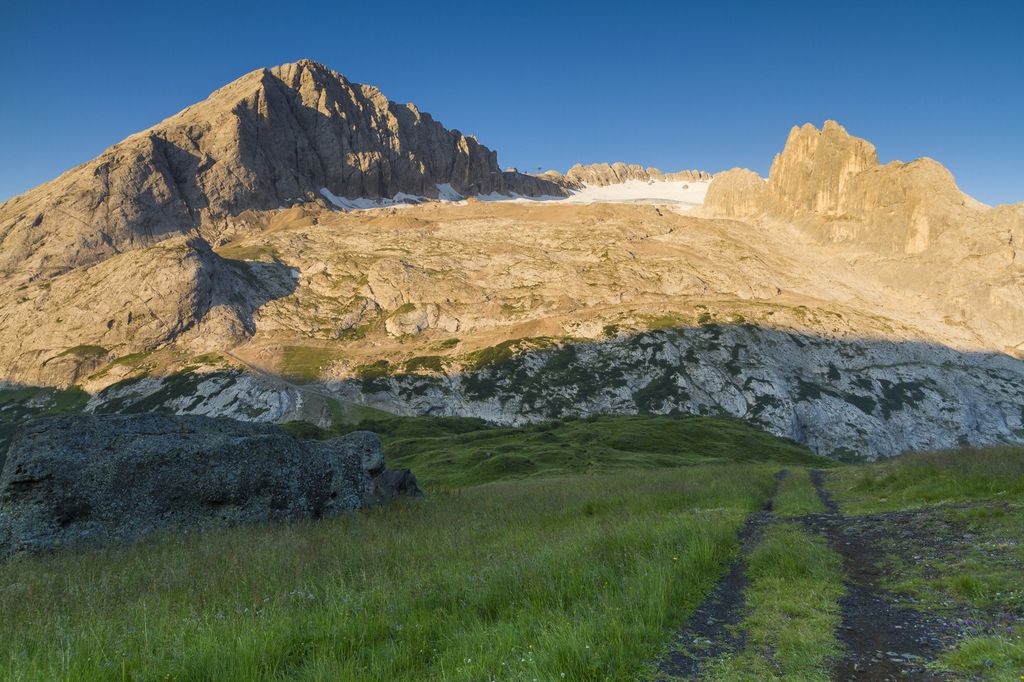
[[455, 451], [923, 479], [578, 579], [797, 495]]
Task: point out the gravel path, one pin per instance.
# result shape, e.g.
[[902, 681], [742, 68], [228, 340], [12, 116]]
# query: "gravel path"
[[714, 628]]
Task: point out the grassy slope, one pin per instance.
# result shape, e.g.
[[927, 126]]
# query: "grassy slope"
[[514, 566], [445, 452], [926, 479], [515, 580]]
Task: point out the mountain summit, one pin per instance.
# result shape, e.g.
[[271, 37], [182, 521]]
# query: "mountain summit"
[[273, 137]]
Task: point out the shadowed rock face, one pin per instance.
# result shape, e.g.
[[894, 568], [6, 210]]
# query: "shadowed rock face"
[[271, 138], [843, 398], [74, 480]]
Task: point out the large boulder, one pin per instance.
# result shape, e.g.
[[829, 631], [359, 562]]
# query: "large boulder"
[[97, 479]]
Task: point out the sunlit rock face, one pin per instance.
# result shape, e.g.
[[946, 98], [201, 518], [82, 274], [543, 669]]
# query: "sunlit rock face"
[[272, 138], [248, 258], [905, 225]]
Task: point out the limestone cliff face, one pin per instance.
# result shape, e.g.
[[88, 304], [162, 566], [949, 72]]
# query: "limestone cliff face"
[[271, 138], [736, 193], [812, 173], [602, 174], [843, 398], [908, 223]]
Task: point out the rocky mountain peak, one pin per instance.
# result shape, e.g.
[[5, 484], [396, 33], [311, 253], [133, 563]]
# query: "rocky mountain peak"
[[604, 174], [274, 137], [815, 166], [922, 233]]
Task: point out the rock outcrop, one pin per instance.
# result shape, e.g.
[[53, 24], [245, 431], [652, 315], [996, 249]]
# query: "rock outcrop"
[[603, 174], [58, 331], [842, 398], [912, 227], [272, 138], [76, 480]]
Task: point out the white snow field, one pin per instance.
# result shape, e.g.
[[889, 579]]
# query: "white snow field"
[[683, 195], [687, 194]]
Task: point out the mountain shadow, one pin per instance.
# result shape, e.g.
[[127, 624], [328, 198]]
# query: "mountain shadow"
[[845, 398]]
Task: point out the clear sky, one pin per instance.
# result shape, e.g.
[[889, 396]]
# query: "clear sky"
[[707, 85]]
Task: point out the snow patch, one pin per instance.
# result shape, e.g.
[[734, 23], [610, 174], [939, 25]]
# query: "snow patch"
[[684, 195], [362, 204], [445, 192]]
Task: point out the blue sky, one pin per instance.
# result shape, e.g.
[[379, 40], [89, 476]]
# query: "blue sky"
[[707, 85]]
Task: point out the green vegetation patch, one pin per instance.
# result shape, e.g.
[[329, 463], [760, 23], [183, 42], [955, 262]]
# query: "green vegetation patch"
[[921, 479], [259, 252], [797, 496], [305, 363], [136, 361], [988, 658], [456, 451], [540, 579], [373, 376], [84, 351], [505, 351], [793, 600], [426, 363]]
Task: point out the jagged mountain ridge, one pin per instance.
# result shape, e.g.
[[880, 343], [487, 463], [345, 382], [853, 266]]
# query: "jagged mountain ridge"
[[832, 248], [273, 137], [907, 224], [604, 174]]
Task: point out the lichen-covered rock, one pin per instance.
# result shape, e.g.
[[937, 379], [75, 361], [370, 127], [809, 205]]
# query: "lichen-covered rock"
[[853, 398], [91, 479]]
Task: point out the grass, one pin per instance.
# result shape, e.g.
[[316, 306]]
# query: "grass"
[[568, 549], [305, 363], [991, 658], [551, 579], [793, 599], [984, 571], [260, 252], [84, 351], [925, 479], [797, 496], [135, 361], [446, 452], [972, 509]]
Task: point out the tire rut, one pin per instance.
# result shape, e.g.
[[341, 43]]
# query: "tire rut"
[[882, 641], [714, 628]]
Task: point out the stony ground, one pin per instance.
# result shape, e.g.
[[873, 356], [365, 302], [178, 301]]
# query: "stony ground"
[[885, 633]]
